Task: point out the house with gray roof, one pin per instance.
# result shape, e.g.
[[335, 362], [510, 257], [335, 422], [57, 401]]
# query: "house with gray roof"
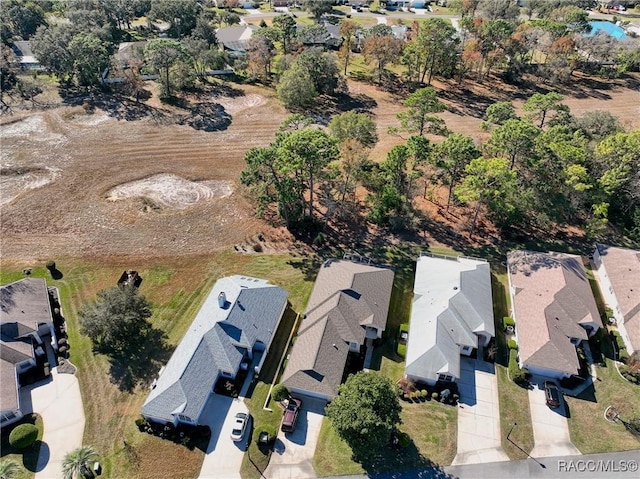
[[452, 314], [25, 324], [347, 310], [235, 39], [619, 280], [238, 319], [554, 310], [25, 56]]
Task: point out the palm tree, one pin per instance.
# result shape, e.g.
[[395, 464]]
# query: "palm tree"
[[76, 463], [9, 469]]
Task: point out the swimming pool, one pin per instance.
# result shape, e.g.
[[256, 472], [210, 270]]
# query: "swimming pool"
[[611, 28]]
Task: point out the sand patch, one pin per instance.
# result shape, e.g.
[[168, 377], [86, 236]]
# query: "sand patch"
[[34, 127], [171, 191], [236, 104], [16, 180]]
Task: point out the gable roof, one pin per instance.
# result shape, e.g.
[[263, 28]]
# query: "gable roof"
[[452, 301], [23, 52], [236, 37], [23, 305], [552, 301], [346, 298], [623, 269], [215, 343]]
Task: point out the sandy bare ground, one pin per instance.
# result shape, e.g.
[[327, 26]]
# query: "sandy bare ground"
[[177, 186]]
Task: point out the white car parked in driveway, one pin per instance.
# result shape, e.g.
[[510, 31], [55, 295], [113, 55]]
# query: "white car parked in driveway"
[[239, 426]]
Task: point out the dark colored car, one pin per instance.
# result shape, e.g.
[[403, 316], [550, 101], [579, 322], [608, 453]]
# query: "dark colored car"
[[552, 394], [290, 417]]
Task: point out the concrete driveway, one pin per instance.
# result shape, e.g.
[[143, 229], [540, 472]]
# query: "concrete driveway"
[[478, 415], [550, 427], [293, 452], [59, 402], [224, 456]]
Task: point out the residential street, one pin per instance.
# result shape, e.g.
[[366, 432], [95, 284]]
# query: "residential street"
[[619, 465]]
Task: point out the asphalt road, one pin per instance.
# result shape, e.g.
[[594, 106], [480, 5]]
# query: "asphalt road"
[[621, 465]]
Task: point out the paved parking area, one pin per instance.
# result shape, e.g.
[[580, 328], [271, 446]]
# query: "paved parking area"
[[293, 453], [550, 427], [478, 414]]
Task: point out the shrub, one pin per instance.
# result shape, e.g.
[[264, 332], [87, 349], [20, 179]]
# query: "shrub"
[[435, 395], [424, 393], [402, 350], [518, 376], [403, 439], [455, 398], [508, 321], [269, 430], [280, 393], [623, 356], [141, 423], [51, 265], [512, 344], [23, 436]]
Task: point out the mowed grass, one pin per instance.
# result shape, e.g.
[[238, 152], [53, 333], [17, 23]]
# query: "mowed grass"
[[590, 431], [177, 287], [431, 425], [513, 400], [27, 459]]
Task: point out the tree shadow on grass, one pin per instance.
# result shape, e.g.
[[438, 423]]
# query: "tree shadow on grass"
[[139, 362], [394, 462], [206, 117]]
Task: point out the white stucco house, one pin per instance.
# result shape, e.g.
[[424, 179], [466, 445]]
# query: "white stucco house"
[[452, 315]]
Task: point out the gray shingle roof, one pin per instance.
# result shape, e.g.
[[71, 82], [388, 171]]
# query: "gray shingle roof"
[[215, 343], [346, 297]]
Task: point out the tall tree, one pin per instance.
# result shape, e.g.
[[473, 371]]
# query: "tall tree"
[[181, 14], [318, 8], [116, 319], [419, 116], [352, 125], [287, 29], [541, 104], [22, 17], [50, 45], [322, 68], [435, 40], [514, 139], [348, 31], [487, 182], [77, 464], [260, 53], [365, 413], [162, 54], [91, 57], [500, 111], [382, 50], [296, 88], [451, 158]]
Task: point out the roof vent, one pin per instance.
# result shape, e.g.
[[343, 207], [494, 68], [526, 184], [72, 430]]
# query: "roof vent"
[[222, 299], [455, 288], [335, 345]]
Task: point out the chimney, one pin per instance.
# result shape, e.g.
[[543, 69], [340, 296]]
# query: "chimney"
[[222, 299]]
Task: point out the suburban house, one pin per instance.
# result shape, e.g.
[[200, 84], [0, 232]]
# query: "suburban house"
[[26, 325], [554, 310], [235, 39], [452, 314], [238, 319], [129, 53], [347, 310], [22, 50], [619, 278]]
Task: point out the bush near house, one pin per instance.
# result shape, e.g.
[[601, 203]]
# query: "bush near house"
[[23, 436], [402, 345], [623, 356], [631, 370], [508, 321], [512, 344], [517, 375]]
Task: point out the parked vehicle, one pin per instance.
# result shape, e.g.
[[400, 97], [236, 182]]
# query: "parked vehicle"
[[290, 417], [239, 426], [552, 394]]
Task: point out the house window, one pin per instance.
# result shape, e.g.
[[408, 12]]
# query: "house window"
[[184, 418], [445, 377]]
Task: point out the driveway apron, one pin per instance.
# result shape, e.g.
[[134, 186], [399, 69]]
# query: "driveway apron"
[[550, 427], [293, 452], [59, 402], [478, 414]]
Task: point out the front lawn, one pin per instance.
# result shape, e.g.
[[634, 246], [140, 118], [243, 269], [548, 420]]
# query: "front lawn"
[[177, 287], [27, 458], [590, 431]]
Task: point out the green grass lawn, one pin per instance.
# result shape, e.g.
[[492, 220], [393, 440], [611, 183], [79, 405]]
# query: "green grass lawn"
[[513, 400], [27, 458], [177, 287], [589, 430]]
